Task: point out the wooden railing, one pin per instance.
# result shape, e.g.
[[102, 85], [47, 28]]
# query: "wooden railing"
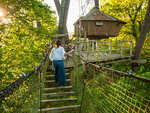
[[98, 50]]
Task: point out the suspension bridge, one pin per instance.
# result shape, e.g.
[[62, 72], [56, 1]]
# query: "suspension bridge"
[[91, 88]]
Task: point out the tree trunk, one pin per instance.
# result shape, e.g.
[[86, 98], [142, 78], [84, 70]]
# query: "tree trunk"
[[63, 18], [62, 10], [142, 38], [57, 4]]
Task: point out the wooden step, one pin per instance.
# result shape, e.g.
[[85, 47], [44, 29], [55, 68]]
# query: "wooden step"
[[55, 89], [48, 73], [50, 70], [61, 109], [58, 94], [50, 76], [59, 100], [53, 81]]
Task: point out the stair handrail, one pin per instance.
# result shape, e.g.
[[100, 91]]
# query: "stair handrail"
[[10, 88], [120, 73]]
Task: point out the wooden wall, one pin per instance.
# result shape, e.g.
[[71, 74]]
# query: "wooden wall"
[[108, 29]]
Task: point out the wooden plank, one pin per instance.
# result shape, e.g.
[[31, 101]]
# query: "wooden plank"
[[131, 44], [59, 35], [60, 109], [59, 100], [139, 61], [58, 94]]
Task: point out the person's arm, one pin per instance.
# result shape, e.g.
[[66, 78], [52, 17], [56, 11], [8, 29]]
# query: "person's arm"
[[67, 53], [51, 55]]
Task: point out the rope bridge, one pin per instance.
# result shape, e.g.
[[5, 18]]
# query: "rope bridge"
[[99, 90], [23, 95], [104, 90]]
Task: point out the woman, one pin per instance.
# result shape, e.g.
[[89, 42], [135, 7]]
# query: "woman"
[[57, 56]]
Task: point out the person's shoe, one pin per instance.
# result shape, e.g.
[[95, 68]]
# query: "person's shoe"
[[60, 87]]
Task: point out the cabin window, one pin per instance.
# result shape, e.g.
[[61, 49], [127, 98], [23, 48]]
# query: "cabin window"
[[99, 23], [117, 24]]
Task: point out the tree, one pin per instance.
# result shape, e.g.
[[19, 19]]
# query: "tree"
[[131, 11], [21, 40], [57, 4], [63, 14], [141, 38]]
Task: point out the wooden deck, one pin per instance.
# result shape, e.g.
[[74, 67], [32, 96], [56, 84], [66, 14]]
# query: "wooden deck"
[[103, 50], [92, 57]]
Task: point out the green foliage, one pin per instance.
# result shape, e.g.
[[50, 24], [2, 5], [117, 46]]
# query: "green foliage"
[[26, 27], [122, 66], [25, 98], [130, 11], [144, 71], [111, 93]]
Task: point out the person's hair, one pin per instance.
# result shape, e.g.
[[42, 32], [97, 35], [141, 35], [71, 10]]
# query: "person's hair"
[[58, 43]]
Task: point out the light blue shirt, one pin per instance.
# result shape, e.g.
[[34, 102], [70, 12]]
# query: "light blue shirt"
[[57, 54]]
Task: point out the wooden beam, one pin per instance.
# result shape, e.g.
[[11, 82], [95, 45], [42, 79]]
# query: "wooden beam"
[[139, 61], [59, 35]]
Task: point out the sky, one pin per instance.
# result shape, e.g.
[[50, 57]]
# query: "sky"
[[74, 12]]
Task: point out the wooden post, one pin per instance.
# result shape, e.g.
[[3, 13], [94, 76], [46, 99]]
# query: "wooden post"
[[97, 50], [121, 48], [110, 49], [79, 48], [131, 45], [87, 45], [93, 45], [104, 44], [75, 47], [85, 35]]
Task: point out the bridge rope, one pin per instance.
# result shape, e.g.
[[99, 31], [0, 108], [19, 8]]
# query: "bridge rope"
[[104, 90], [22, 96], [99, 89]]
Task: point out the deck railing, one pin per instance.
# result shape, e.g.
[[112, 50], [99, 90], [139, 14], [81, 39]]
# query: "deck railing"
[[99, 50]]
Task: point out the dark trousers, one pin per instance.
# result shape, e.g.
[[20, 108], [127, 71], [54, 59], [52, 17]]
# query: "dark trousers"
[[60, 76]]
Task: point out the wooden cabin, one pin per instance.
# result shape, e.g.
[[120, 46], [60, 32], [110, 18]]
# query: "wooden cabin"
[[97, 25]]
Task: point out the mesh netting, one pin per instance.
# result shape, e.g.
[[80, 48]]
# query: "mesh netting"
[[23, 95], [106, 91]]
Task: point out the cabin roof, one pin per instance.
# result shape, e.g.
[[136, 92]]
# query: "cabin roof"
[[77, 22], [96, 14]]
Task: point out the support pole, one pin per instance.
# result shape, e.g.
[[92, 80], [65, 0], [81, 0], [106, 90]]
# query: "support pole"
[[110, 49], [96, 4], [131, 45]]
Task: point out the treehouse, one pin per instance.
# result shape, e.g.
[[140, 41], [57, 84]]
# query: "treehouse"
[[97, 25]]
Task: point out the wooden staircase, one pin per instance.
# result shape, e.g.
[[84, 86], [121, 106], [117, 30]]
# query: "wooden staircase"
[[56, 100]]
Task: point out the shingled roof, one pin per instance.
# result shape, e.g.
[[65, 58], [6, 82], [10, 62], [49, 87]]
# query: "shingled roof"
[[96, 14]]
